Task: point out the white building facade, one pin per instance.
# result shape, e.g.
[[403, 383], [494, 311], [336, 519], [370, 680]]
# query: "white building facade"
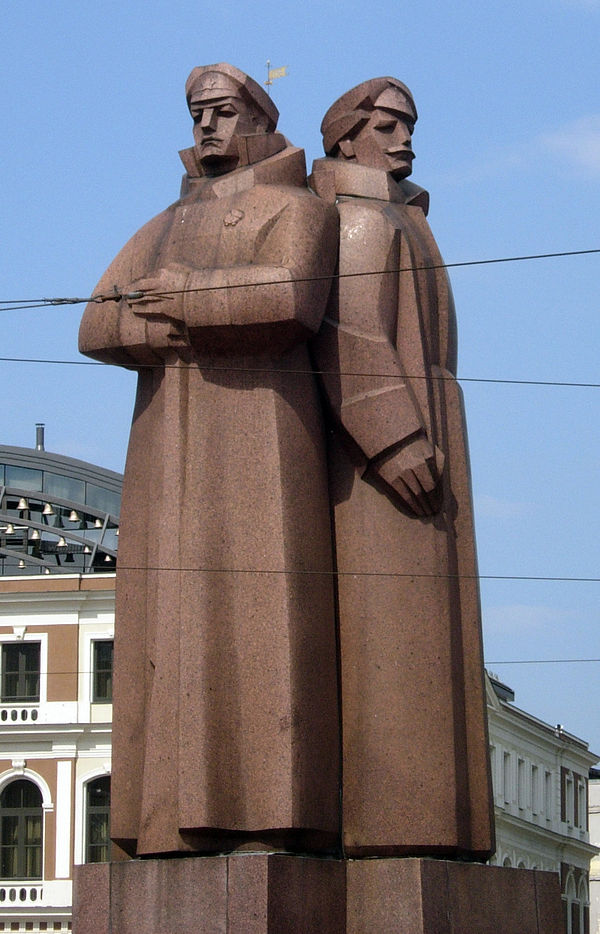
[[540, 781], [58, 541], [58, 548], [595, 839], [55, 752]]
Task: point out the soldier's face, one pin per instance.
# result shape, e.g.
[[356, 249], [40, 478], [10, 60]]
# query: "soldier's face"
[[218, 122], [385, 142]]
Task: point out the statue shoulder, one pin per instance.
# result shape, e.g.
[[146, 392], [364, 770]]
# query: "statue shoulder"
[[132, 259], [292, 199], [363, 218], [415, 195]]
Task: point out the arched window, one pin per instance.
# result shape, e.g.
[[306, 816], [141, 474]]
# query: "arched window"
[[584, 905], [21, 831], [97, 809], [571, 906]]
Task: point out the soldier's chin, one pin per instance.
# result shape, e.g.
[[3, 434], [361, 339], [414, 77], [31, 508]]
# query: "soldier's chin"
[[401, 170], [218, 163]]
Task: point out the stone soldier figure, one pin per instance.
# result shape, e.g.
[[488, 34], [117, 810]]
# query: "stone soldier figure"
[[415, 754], [225, 711], [239, 514]]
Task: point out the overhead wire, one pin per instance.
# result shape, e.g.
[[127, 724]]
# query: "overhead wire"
[[17, 305], [544, 661], [116, 295], [22, 304], [314, 372], [333, 573]]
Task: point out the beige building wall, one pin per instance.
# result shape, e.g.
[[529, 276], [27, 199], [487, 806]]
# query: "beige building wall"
[[61, 742]]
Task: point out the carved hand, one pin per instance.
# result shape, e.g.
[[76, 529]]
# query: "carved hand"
[[414, 473], [162, 293]]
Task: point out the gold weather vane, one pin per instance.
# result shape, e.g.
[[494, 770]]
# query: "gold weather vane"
[[273, 73]]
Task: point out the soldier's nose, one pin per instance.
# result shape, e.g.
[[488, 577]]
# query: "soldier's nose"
[[207, 120]]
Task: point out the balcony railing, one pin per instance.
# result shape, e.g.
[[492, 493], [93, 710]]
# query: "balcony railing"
[[21, 893], [18, 713]]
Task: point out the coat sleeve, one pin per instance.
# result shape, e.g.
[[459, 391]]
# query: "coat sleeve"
[[109, 330], [284, 288], [363, 370]]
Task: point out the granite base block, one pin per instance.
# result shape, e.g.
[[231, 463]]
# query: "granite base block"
[[258, 893]]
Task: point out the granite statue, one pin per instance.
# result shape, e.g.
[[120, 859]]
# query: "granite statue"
[[298, 644], [225, 706], [298, 665], [414, 733]]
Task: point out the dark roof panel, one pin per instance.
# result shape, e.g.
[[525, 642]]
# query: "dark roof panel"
[[57, 514]]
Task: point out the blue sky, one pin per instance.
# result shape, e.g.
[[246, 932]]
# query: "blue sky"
[[508, 144]]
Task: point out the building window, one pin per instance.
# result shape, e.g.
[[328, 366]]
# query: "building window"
[[20, 672], [21, 831], [569, 798], [582, 804], [574, 914], [575, 917], [521, 791], [507, 778], [97, 805], [102, 671], [548, 795], [584, 907], [535, 789]]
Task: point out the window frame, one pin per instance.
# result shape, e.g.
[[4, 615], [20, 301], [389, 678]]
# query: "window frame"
[[94, 811], [548, 795], [23, 814], [20, 634], [535, 789], [507, 777], [25, 653], [100, 697]]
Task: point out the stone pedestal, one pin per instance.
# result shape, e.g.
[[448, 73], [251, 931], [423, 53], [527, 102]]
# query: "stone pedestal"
[[257, 893]]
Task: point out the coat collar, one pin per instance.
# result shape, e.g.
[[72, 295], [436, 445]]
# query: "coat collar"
[[333, 178], [286, 167]]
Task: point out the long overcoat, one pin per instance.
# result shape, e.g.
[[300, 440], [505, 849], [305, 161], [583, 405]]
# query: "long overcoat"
[[415, 752], [225, 703]]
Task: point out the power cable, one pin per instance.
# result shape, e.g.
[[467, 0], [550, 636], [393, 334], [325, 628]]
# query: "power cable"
[[22, 304], [315, 372], [545, 661], [332, 573]]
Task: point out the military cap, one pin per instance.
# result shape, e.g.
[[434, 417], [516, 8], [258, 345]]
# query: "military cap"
[[355, 107], [206, 79]]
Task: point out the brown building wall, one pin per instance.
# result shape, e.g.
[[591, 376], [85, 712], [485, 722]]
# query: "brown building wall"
[[47, 769], [62, 663], [56, 584]]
